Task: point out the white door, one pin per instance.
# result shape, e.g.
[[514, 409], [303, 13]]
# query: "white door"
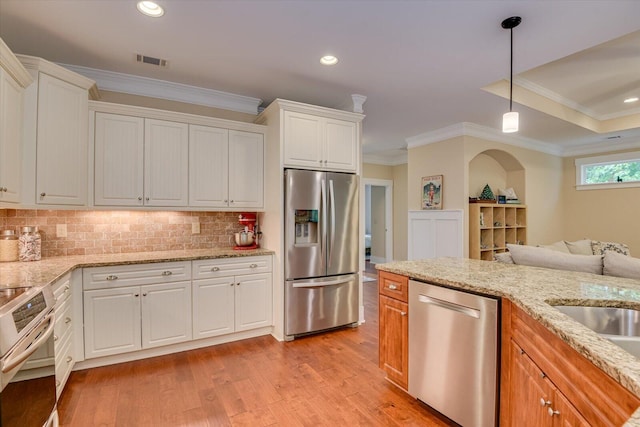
[[208, 166], [213, 307], [119, 160], [246, 170], [341, 145], [253, 301], [166, 165], [302, 140], [111, 321], [10, 138], [61, 152], [166, 314]]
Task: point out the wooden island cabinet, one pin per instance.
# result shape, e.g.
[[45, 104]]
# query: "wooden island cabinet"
[[543, 380]]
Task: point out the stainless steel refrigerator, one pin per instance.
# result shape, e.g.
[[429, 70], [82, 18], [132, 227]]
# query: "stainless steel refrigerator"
[[321, 251]]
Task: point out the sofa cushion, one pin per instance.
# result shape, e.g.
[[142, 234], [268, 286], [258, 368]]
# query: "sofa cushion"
[[580, 247], [619, 265], [503, 257], [599, 248], [542, 257], [560, 246]]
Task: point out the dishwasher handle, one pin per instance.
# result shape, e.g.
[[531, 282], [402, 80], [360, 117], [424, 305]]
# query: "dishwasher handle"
[[447, 305]]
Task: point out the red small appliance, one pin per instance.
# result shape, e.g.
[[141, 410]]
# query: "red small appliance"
[[249, 237]]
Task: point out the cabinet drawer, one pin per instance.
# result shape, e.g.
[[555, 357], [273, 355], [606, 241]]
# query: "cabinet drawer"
[[62, 290], [64, 323], [221, 267], [64, 364], [134, 275], [393, 285]]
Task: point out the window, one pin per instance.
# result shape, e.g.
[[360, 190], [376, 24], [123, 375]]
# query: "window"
[[612, 171]]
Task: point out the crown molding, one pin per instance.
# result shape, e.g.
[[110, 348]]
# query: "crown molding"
[[144, 86], [385, 159], [599, 147], [13, 66], [483, 132], [556, 97]]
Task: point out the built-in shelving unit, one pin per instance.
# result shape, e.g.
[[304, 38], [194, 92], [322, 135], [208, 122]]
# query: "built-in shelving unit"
[[492, 226]]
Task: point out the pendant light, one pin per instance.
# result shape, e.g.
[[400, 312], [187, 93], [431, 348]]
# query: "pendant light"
[[510, 119]]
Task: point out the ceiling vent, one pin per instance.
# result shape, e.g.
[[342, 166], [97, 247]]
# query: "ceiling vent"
[[162, 63]]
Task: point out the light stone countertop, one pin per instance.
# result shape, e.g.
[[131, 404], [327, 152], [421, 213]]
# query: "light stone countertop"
[[535, 290], [49, 270]]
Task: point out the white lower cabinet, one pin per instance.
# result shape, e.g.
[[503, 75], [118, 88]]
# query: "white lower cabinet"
[[142, 306], [231, 304]]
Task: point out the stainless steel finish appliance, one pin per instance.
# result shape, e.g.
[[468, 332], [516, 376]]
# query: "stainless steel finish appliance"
[[321, 251], [27, 372], [453, 353]]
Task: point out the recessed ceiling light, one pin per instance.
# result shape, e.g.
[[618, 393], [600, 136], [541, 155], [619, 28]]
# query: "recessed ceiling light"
[[630, 100], [150, 8], [328, 60]]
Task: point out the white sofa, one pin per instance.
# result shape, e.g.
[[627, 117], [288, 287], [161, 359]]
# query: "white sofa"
[[589, 256]]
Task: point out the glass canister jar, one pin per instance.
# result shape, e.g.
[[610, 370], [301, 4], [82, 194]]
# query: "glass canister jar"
[[8, 246], [30, 244]]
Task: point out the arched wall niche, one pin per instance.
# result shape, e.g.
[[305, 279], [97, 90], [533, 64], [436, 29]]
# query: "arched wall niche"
[[500, 170]]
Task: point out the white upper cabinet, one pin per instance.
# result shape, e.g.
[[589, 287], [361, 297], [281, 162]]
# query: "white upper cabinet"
[[10, 138], [166, 163], [119, 154], [246, 170], [56, 117], [208, 166], [314, 137], [142, 159]]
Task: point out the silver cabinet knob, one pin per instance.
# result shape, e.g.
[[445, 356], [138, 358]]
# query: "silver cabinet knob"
[[67, 320], [55, 338], [43, 194], [552, 412], [238, 284], [253, 266], [403, 313], [231, 284], [544, 402], [57, 383], [167, 273], [226, 201], [146, 198], [393, 287], [3, 189], [112, 277], [230, 201], [136, 295], [320, 161], [69, 359], [144, 294], [215, 268], [139, 198]]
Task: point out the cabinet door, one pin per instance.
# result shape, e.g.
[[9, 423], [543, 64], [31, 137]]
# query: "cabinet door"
[[208, 166], [302, 140], [246, 170], [341, 145], [166, 314], [213, 307], [394, 340], [119, 150], [10, 138], [166, 163], [111, 321], [61, 150], [566, 415], [530, 396], [253, 301]]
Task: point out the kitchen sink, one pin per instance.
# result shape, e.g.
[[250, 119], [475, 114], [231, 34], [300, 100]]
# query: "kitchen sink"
[[621, 326]]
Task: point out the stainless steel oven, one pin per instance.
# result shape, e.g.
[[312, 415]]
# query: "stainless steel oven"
[[27, 368]]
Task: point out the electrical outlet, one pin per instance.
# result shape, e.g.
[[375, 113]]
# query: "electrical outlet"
[[61, 230], [195, 228]]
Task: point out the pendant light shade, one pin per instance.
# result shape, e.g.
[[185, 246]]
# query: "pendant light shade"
[[510, 119], [510, 122]]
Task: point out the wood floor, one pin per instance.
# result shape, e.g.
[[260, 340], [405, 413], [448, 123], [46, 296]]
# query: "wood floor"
[[330, 379]]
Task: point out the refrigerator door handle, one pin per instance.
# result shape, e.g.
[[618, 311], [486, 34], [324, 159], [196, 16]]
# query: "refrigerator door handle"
[[320, 283], [332, 200], [323, 222]]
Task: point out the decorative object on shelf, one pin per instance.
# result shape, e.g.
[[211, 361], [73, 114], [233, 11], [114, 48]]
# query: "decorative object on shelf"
[[486, 194], [502, 199], [481, 219], [432, 192], [510, 119]]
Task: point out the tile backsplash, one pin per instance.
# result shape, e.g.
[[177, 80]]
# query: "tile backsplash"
[[106, 232]]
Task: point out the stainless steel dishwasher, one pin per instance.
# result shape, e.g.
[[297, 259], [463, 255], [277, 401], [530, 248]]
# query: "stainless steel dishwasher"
[[453, 353]]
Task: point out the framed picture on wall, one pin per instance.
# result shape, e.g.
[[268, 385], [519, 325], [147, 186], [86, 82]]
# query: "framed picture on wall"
[[432, 192]]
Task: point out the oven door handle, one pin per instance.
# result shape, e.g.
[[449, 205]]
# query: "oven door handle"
[[40, 333]]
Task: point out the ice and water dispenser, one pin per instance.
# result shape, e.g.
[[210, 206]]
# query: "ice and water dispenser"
[[306, 222]]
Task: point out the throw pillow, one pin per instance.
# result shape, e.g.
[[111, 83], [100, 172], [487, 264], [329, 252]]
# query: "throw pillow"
[[599, 248], [580, 247], [560, 246], [542, 257], [503, 257], [618, 265]]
